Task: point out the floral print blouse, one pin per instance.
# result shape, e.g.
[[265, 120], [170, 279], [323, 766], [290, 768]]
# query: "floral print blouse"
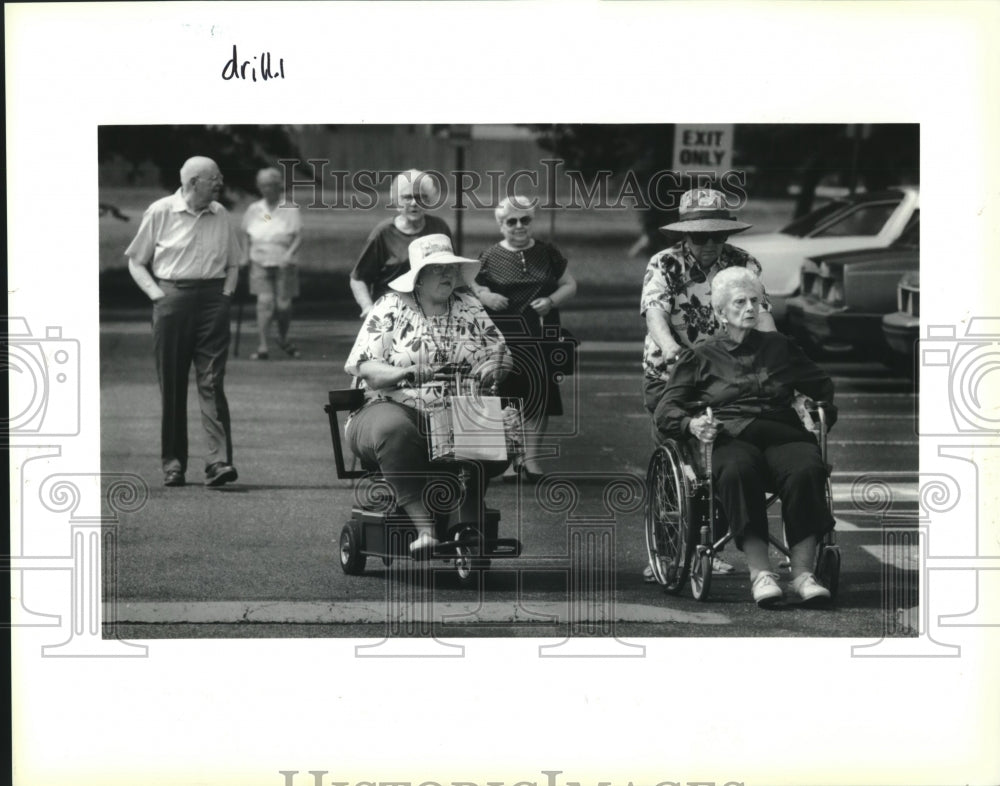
[[401, 336], [676, 283]]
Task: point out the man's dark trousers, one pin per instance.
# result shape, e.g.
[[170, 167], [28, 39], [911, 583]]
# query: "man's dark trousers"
[[191, 324]]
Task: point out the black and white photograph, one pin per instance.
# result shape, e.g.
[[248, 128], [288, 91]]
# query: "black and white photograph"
[[523, 441], [437, 374]]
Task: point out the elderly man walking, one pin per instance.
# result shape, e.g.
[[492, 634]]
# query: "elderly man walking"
[[185, 257]]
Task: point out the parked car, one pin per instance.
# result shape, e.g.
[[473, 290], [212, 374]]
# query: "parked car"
[[844, 296], [862, 221], [901, 329]]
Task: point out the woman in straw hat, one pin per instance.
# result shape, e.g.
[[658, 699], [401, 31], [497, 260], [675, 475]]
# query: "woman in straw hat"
[[522, 283], [676, 292], [423, 323]]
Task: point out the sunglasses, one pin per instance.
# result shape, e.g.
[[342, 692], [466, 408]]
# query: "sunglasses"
[[701, 238], [522, 220]]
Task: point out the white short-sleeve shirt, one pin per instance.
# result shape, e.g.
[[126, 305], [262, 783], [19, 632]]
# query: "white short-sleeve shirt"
[[271, 232]]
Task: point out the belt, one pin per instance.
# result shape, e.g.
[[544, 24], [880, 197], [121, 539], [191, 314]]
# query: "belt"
[[186, 283]]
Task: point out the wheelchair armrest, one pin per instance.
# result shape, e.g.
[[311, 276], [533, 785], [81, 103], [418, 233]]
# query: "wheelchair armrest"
[[817, 411], [346, 400]]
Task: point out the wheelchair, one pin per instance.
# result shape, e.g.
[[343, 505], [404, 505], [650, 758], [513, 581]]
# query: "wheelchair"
[[468, 532], [682, 517]]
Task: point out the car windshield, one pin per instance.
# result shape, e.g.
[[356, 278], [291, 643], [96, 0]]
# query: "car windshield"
[[910, 238], [806, 224], [843, 219]]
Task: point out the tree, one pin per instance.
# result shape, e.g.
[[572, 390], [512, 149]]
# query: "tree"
[[777, 154], [240, 151], [876, 156]]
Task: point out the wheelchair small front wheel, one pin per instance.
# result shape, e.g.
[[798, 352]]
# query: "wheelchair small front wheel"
[[701, 575], [468, 562], [352, 560]]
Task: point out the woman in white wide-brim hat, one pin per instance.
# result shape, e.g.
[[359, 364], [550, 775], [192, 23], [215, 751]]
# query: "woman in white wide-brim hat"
[[676, 292], [428, 320]]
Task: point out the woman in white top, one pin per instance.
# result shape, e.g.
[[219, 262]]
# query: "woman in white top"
[[273, 235]]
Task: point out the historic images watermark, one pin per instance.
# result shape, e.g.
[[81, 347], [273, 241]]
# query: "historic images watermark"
[[319, 778], [44, 377], [320, 187], [946, 536]]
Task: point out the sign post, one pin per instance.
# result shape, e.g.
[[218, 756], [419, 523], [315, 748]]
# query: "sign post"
[[703, 148], [459, 135]]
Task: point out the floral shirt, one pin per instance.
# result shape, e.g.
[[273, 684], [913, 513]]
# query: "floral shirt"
[[401, 336], [675, 283]]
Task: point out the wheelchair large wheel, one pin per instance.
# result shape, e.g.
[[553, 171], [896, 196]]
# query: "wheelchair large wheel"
[[468, 563], [352, 561], [828, 569], [668, 542]]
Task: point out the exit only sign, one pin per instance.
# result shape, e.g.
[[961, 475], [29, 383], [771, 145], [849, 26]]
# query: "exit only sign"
[[703, 147]]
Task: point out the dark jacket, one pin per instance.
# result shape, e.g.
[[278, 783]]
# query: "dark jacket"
[[756, 378]]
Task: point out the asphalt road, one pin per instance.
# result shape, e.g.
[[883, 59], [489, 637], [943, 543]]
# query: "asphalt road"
[[259, 558]]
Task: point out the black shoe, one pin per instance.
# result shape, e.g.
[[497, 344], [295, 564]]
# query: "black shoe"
[[219, 473], [529, 477], [173, 477], [290, 349]]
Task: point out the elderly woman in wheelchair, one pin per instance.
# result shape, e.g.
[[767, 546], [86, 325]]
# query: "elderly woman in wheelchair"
[[428, 322], [729, 407]]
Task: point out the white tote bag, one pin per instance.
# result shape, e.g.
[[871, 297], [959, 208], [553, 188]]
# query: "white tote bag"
[[469, 428]]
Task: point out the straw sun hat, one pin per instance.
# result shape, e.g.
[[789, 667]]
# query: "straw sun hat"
[[433, 250], [704, 210]]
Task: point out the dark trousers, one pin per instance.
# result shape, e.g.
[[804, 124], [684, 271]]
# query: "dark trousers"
[[652, 393], [191, 325], [393, 438], [390, 436], [771, 455]]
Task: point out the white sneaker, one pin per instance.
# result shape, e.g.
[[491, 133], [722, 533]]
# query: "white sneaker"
[[806, 589], [765, 589], [648, 576], [421, 546]]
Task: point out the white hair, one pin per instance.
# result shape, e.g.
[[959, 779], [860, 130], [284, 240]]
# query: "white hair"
[[420, 181], [730, 280], [512, 204], [270, 173], [195, 166]]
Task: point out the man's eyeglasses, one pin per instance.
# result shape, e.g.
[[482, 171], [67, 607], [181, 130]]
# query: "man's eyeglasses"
[[522, 220], [701, 238]]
